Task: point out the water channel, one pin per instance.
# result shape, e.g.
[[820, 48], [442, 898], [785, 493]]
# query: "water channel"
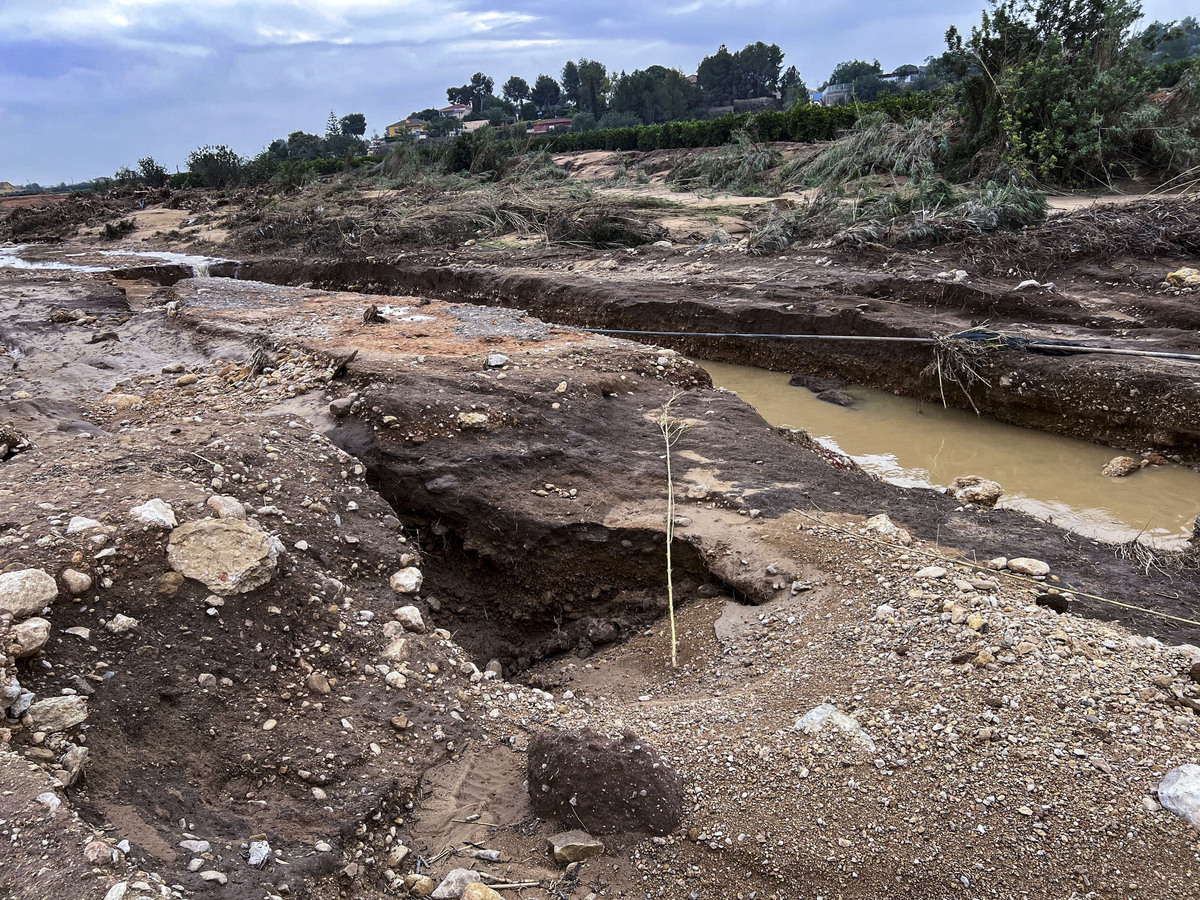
[[917, 444]]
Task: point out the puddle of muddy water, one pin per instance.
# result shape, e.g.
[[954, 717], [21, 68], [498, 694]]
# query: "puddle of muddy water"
[[919, 444], [35, 256]]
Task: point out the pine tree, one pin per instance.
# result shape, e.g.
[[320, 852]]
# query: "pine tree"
[[332, 125]]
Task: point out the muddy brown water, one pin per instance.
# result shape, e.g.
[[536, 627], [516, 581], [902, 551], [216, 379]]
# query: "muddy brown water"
[[917, 444]]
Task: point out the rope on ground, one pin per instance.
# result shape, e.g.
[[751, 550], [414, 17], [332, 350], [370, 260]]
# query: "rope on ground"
[[1021, 578], [1045, 348]]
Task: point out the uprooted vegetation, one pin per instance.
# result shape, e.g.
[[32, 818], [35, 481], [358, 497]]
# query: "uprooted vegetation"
[[325, 222], [741, 167], [930, 212]]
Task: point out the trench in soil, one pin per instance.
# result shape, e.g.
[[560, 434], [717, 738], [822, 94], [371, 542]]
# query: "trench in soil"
[[918, 444], [902, 439]]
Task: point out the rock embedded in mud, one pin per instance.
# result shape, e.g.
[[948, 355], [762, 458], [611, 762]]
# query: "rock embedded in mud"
[[478, 891], [419, 885], [79, 524], [472, 420], [976, 489], [121, 623], [58, 713], [1120, 466], [121, 401], [815, 721], [76, 582], [317, 683], [228, 556], [26, 592], [72, 762], [497, 361], [340, 408], [573, 846], [612, 785], [1183, 278], [883, 526], [1179, 791], [410, 618], [837, 398], [1023, 565], [28, 637], [455, 884], [225, 507], [407, 581], [154, 512]]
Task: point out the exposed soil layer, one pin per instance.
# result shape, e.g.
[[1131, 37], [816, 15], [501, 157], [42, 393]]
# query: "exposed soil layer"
[[1133, 403]]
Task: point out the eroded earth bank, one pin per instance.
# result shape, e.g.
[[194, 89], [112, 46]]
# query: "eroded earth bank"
[[308, 600]]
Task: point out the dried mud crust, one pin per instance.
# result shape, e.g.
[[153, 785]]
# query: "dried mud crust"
[[539, 531]]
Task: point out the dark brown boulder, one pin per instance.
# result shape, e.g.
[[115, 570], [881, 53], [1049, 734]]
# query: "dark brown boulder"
[[583, 777]]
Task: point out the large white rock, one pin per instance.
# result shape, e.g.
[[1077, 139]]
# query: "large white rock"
[[58, 713], [226, 507], [410, 618], [26, 592], [976, 489], [29, 637], [1179, 791], [1023, 565], [154, 512], [81, 523], [407, 581], [229, 556], [815, 720]]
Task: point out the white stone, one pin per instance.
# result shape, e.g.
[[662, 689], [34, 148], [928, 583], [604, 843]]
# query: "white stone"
[[154, 512], [224, 507], [410, 618], [1179, 791], [1023, 565], [77, 582], [930, 572], [815, 720], [81, 523], [407, 581], [883, 526], [58, 713], [120, 623], [29, 637], [26, 592], [117, 891]]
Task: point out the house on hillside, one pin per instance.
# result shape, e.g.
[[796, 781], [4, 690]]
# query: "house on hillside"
[[410, 127], [544, 126], [7, 188], [455, 111], [837, 95]]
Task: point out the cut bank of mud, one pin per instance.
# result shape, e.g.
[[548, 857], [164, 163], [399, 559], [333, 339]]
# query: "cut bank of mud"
[[1137, 403]]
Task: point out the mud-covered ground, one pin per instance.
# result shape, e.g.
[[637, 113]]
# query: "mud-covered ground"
[[1004, 749]]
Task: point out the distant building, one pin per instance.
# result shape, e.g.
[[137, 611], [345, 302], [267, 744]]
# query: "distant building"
[[544, 126], [469, 127], [410, 127], [455, 111], [7, 188]]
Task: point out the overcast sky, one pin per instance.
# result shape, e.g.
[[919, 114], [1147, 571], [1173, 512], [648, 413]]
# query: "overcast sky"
[[87, 86]]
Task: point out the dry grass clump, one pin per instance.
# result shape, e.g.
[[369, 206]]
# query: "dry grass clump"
[[876, 145], [324, 222], [739, 167], [1145, 229], [930, 212]]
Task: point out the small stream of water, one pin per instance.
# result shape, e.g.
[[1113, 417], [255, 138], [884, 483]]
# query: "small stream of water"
[[917, 444]]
